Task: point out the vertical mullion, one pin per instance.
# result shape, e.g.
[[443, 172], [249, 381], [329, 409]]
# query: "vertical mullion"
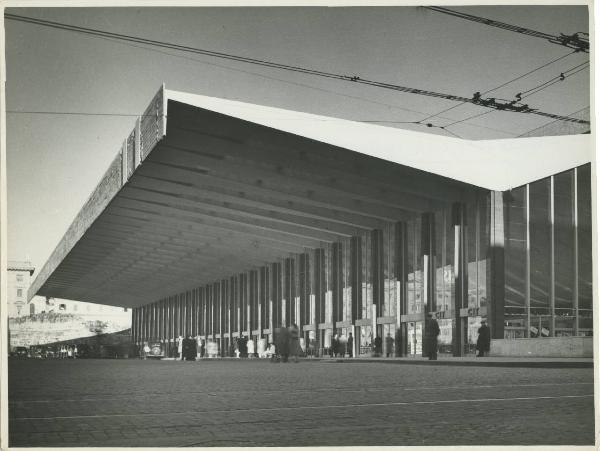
[[552, 260], [528, 262], [576, 252]]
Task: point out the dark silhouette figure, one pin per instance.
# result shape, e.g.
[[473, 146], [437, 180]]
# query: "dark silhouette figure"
[[432, 330], [378, 343], [483, 339], [389, 346], [335, 346], [243, 347], [282, 343], [398, 343], [350, 344], [294, 342]]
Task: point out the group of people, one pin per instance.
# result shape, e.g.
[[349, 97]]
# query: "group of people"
[[339, 346], [67, 352], [287, 344]]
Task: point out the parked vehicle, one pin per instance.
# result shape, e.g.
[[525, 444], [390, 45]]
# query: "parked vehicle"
[[21, 352], [156, 350]]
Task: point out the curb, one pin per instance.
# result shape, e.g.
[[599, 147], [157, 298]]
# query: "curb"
[[487, 363], [520, 363]]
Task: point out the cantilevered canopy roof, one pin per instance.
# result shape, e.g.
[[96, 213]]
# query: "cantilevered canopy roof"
[[205, 188]]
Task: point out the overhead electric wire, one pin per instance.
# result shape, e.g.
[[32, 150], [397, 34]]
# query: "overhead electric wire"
[[73, 113], [563, 76], [469, 118], [504, 84], [299, 69], [363, 99], [573, 41]]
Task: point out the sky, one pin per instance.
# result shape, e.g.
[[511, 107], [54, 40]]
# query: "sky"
[[54, 161]]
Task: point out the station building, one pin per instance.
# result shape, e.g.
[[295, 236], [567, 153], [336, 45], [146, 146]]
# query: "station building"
[[221, 219]]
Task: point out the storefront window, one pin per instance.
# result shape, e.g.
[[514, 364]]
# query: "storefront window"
[[449, 281], [410, 268], [419, 267], [484, 243], [438, 263]]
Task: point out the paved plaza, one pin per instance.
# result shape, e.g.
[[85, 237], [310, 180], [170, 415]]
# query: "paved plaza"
[[255, 403]]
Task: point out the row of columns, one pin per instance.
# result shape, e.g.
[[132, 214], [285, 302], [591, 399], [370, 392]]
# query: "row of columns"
[[255, 302]]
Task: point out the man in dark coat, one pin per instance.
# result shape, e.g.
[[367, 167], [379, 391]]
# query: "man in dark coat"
[[483, 339], [282, 343], [243, 343], [294, 342], [378, 344], [389, 346], [398, 342], [432, 330], [350, 344]]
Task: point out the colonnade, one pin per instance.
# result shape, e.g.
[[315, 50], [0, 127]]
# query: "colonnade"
[[382, 279]]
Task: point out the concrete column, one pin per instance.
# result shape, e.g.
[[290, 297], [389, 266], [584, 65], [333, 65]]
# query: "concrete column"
[[401, 275], [495, 267], [377, 272], [461, 293], [356, 277], [134, 331]]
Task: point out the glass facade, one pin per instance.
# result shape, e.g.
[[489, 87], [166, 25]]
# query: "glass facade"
[[548, 265], [381, 282]]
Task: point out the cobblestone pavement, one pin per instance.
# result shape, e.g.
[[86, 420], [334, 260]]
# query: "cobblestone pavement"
[[255, 403]]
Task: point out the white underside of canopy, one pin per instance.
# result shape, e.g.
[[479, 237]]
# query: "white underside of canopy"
[[493, 164]]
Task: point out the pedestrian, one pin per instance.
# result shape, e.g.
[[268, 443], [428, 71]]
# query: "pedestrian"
[[294, 342], [69, 352], [270, 352], [282, 343], [244, 347], [350, 345], [190, 348], [389, 346], [398, 342], [483, 339], [75, 352], [335, 344], [146, 350], [378, 344], [432, 330], [180, 347], [250, 348], [202, 348]]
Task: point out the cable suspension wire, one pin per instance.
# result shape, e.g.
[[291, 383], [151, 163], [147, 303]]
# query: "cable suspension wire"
[[563, 76], [74, 113], [521, 95], [503, 84], [576, 41], [264, 63]]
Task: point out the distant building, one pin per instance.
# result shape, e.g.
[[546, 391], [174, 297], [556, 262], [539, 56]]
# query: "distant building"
[[46, 320], [19, 279]]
